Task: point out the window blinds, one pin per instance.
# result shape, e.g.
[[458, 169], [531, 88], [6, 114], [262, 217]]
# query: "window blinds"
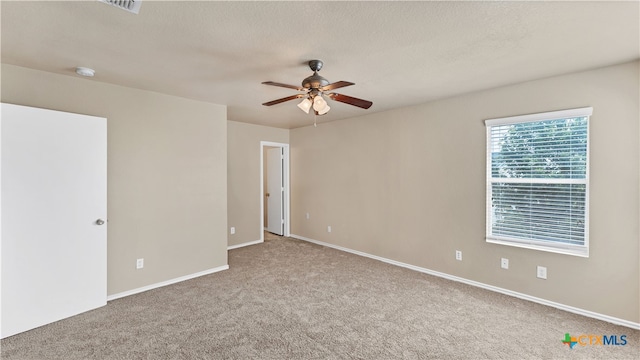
[[537, 180]]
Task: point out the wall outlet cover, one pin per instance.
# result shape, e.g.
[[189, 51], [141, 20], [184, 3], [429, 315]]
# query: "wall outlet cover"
[[541, 272]]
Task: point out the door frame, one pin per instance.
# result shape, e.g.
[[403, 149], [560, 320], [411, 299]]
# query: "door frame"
[[285, 181]]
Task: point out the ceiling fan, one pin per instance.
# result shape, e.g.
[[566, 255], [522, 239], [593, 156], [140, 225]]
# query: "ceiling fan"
[[314, 87]]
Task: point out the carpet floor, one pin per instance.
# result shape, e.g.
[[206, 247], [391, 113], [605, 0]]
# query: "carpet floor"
[[289, 299]]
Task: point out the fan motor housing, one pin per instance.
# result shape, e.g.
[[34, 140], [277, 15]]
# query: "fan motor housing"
[[314, 81]]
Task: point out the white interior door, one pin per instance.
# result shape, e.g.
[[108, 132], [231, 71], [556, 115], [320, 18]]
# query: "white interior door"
[[275, 189], [53, 193]]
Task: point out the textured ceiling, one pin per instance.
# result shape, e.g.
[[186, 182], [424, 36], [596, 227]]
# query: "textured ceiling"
[[397, 53]]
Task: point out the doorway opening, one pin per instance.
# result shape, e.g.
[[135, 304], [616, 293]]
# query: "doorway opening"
[[274, 188]]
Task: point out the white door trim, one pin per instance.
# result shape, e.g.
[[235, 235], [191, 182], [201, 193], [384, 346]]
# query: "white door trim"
[[285, 175]]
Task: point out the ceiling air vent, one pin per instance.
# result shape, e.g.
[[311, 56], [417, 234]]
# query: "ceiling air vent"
[[128, 5]]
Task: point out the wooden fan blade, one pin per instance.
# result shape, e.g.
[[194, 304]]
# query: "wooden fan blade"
[[284, 85], [336, 85], [365, 104], [292, 97]]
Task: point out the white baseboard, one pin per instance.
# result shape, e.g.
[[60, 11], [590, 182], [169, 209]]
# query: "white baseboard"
[[165, 283], [231, 247], [556, 305]]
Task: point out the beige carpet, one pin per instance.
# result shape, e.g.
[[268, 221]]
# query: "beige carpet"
[[288, 299]]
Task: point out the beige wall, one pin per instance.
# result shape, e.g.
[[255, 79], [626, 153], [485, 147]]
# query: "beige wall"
[[243, 168], [409, 185], [166, 178]]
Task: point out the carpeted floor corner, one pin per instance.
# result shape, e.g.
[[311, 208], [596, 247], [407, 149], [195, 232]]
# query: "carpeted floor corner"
[[289, 299]]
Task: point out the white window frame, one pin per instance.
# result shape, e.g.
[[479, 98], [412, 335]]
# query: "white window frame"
[[570, 249]]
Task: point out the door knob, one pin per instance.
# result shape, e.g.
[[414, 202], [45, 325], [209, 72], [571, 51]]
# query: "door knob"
[[267, 195], [99, 222]]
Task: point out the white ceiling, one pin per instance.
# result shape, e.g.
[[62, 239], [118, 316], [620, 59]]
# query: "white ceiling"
[[397, 53]]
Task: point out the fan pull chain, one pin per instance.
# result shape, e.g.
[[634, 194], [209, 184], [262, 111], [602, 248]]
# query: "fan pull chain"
[[315, 124]]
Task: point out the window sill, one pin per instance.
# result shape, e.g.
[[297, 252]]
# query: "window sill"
[[574, 251]]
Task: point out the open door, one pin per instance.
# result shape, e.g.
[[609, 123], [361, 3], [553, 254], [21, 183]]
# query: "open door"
[[274, 162], [53, 224], [275, 191]]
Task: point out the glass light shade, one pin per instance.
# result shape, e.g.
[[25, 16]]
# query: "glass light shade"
[[319, 103], [324, 110], [305, 105]]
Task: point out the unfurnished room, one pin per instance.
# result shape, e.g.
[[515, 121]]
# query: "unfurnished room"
[[319, 179]]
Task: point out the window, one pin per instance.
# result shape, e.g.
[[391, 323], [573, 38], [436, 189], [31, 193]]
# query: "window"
[[538, 181]]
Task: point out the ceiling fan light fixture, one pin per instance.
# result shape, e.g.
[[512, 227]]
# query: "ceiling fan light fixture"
[[305, 105], [313, 87]]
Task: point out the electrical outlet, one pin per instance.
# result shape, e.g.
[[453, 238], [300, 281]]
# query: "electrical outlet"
[[329, 228], [139, 263], [458, 255], [307, 216], [542, 272], [233, 230], [504, 263]]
